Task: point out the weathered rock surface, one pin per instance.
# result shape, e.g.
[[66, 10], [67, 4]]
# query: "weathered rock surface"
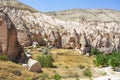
[[9, 45], [34, 65], [101, 27]]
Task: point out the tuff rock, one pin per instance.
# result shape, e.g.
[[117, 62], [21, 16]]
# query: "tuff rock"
[[95, 28], [9, 45]]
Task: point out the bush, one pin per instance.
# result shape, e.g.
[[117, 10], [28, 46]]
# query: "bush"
[[81, 66], [46, 51], [57, 77], [108, 60], [114, 62], [101, 60], [66, 67], [3, 58], [95, 51], [46, 60], [87, 72]]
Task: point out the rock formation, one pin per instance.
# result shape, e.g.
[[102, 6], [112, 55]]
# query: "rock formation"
[[9, 45], [65, 29]]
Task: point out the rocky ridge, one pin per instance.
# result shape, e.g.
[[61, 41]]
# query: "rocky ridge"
[[83, 30], [78, 15]]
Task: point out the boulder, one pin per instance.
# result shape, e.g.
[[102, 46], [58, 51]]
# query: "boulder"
[[34, 65], [9, 45]]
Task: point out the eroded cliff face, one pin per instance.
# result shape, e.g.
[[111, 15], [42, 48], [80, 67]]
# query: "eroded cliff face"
[[9, 45], [101, 31]]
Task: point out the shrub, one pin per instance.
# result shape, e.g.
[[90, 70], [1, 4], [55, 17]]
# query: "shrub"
[[106, 60], [57, 77], [81, 66], [3, 58], [46, 51], [45, 60], [66, 67], [101, 60], [95, 51], [87, 72], [114, 62]]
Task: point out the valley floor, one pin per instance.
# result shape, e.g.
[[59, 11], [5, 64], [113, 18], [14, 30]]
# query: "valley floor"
[[68, 63]]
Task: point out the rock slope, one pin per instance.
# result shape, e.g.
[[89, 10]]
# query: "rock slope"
[[84, 29], [87, 15]]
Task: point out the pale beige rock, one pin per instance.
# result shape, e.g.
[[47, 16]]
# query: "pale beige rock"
[[64, 31], [34, 65]]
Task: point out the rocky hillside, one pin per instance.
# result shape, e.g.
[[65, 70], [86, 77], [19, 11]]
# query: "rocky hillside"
[[15, 4], [84, 29], [87, 15]]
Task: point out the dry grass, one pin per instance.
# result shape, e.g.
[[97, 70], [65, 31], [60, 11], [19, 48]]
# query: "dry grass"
[[66, 61], [71, 58], [8, 68]]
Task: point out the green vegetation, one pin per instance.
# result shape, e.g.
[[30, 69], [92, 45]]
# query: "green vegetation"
[[57, 77], [95, 52], [114, 59], [81, 66], [3, 58], [46, 51], [87, 72], [107, 60], [45, 60], [66, 67], [28, 78], [101, 60]]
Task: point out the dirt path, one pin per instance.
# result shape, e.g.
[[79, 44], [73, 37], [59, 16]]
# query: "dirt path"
[[110, 74]]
